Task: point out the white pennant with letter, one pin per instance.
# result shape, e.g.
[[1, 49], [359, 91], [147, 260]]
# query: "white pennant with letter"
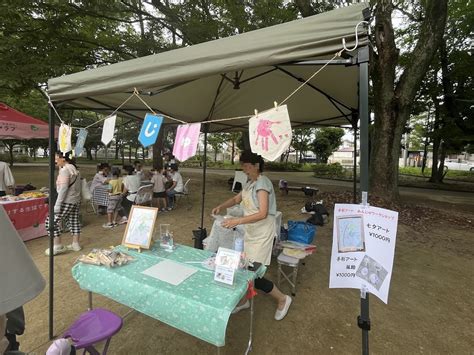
[[108, 129]]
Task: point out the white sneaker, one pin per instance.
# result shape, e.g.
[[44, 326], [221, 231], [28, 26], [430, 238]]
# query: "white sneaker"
[[280, 314], [239, 308], [73, 247], [108, 225], [123, 220], [56, 250]]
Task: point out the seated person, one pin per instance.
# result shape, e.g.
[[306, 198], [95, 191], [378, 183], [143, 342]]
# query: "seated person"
[[177, 185], [158, 180], [101, 177], [131, 183], [139, 170]]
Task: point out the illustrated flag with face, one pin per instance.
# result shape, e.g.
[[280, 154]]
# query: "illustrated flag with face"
[[187, 138], [65, 138], [108, 129], [270, 132]]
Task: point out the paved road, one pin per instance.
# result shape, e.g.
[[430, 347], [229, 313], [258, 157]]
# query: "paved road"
[[407, 193], [455, 199]]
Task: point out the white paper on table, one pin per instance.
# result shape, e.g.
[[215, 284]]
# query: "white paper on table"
[[170, 272]]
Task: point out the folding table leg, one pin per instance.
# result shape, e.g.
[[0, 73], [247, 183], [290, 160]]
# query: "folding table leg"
[[249, 346], [90, 301]]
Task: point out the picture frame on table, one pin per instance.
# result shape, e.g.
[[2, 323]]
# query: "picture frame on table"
[[141, 224]]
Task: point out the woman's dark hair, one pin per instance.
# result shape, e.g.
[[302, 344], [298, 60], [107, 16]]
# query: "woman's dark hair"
[[248, 157], [129, 169], [115, 171], [67, 157], [174, 167]]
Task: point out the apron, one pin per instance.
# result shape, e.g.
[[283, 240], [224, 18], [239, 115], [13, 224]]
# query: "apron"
[[258, 239]]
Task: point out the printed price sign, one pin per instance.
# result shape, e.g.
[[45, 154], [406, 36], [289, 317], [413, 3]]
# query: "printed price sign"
[[363, 248]]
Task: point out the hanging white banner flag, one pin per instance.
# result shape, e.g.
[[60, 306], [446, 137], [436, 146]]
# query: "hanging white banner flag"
[[108, 129], [270, 133], [64, 139]]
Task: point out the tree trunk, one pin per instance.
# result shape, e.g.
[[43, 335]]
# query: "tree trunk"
[[393, 99], [117, 147], [89, 153], [233, 152], [436, 141], [130, 153]]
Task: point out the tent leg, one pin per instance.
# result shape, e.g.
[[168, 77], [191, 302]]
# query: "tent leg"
[[52, 152], [363, 61], [354, 175]]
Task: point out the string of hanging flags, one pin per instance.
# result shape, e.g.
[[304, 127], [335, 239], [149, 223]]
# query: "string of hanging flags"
[[270, 131]]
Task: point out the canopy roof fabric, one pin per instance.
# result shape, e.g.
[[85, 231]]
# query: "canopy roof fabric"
[[233, 76], [17, 125]]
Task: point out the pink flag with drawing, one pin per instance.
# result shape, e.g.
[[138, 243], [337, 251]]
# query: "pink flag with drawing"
[[270, 133], [186, 142]]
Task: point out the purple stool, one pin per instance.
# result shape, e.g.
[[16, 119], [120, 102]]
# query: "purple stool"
[[92, 327]]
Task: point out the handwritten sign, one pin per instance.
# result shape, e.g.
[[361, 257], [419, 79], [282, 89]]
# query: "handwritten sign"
[[363, 248]]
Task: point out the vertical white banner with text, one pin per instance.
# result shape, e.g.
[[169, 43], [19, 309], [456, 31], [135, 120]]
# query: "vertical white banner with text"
[[363, 248]]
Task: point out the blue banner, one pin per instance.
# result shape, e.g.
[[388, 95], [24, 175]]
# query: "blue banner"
[[150, 129]]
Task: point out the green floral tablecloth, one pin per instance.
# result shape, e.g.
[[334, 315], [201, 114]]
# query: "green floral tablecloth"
[[198, 306]]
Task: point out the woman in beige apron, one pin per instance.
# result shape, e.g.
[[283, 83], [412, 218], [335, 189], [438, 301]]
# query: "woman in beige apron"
[[258, 201]]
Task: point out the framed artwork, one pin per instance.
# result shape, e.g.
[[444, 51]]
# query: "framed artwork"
[[140, 226], [350, 233]]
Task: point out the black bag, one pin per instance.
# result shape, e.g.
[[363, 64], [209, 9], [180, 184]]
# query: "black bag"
[[316, 219]]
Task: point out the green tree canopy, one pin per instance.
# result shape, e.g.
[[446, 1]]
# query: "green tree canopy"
[[326, 142]]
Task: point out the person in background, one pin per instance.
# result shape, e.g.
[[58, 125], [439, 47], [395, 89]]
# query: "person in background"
[[7, 182], [68, 186], [158, 180], [176, 186], [258, 201], [139, 170], [101, 177], [169, 159], [115, 198], [131, 183]]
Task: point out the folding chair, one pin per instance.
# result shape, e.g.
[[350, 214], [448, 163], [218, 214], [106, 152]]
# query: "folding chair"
[[179, 195], [144, 195], [87, 197], [93, 327]]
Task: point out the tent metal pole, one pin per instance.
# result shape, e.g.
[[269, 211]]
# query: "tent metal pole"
[[354, 127], [363, 320], [204, 167], [52, 152]]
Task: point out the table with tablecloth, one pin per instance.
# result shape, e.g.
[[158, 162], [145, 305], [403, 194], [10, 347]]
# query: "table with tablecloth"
[[28, 216], [198, 306]]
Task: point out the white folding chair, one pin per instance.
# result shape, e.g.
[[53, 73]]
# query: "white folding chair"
[[185, 193], [144, 195], [87, 197]]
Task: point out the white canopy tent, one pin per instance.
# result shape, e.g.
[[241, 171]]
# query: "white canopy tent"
[[231, 77]]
